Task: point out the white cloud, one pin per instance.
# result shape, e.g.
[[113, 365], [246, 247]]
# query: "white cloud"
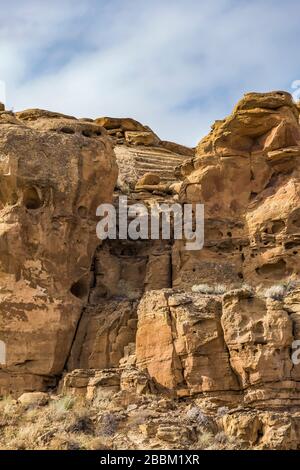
[[175, 65]]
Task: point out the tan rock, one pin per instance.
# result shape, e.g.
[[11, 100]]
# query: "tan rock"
[[127, 323], [33, 399], [50, 191], [103, 334], [187, 353], [126, 124], [141, 138], [246, 173], [177, 148], [148, 179], [266, 430], [258, 335], [135, 161]]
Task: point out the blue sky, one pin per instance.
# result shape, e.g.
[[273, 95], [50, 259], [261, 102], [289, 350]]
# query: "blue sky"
[[176, 65]]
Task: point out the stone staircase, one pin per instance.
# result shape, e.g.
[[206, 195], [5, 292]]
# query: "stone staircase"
[[155, 160]]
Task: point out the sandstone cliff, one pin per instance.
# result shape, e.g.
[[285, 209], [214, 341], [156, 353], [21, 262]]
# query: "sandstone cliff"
[[133, 325]]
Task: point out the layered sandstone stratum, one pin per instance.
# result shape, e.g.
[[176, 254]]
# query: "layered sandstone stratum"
[[172, 345]]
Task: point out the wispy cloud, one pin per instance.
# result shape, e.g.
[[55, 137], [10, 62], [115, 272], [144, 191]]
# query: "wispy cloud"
[[175, 65]]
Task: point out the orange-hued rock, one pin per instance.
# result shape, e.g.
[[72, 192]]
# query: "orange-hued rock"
[[54, 172], [182, 346], [104, 332], [180, 342], [237, 346], [148, 179], [258, 334], [246, 173]]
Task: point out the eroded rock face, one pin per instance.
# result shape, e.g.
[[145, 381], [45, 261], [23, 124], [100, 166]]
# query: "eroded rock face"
[[235, 348], [54, 172], [232, 349], [180, 342], [103, 334], [140, 151], [246, 173], [121, 321]]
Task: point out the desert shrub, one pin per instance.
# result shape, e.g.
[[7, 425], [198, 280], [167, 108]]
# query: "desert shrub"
[[58, 409], [218, 289], [140, 417], [8, 411], [222, 411], [98, 444], [279, 291], [201, 419], [8, 405], [25, 437], [248, 288], [222, 441], [291, 285], [221, 438], [202, 289], [63, 441], [62, 406], [109, 424], [276, 292], [205, 440], [80, 422]]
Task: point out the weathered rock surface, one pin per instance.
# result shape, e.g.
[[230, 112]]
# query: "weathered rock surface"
[[54, 172], [180, 342], [33, 399], [235, 349], [139, 151], [246, 172], [125, 324]]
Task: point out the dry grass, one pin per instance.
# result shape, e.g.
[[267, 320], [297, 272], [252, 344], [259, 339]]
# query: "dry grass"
[[64, 424], [218, 289], [279, 291], [72, 424]]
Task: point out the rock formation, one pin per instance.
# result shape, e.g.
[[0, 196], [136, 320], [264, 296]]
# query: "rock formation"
[[130, 322], [55, 171]]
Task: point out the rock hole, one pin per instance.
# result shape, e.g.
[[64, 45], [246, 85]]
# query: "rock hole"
[[79, 288], [290, 245], [295, 218], [67, 130], [277, 226], [86, 133], [259, 328], [14, 199], [82, 212], [31, 199], [273, 270]]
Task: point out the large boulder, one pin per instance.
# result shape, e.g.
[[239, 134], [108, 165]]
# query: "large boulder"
[[180, 342], [54, 171]]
